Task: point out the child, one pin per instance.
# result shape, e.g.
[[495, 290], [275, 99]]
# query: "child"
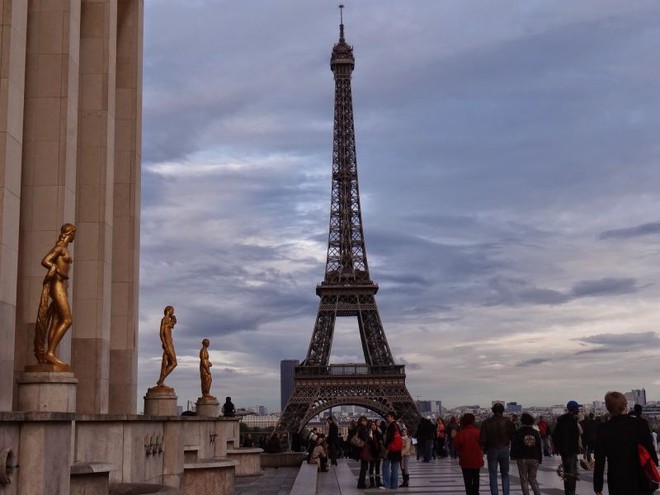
[[320, 454], [405, 455]]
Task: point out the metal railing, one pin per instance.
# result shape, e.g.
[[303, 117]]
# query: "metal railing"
[[350, 370]]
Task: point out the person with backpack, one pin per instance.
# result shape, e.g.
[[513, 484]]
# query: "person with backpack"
[[618, 445], [394, 444], [527, 451]]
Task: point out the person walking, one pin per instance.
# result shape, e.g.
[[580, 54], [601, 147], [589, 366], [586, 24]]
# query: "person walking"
[[544, 431], [589, 427], [496, 433], [333, 440], [617, 443], [526, 450], [440, 438], [566, 439], [361, 444], [394, 444], [452, 430], [425, 438], [470, 456]]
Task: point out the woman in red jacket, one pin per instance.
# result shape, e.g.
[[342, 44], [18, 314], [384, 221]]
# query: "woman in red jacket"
[[470, 455]]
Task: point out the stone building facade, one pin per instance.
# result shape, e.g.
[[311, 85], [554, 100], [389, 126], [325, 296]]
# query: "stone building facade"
[[70, 140]]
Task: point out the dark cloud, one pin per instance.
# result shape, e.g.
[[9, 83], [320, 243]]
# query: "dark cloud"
[[533, 362], [631, 232], [610, 286], [628, 340]]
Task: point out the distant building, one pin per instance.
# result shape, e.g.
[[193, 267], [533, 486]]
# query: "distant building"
[[427, 407], [262, 410], [267, 421], [287, 376], [513, 408], [637, 396]]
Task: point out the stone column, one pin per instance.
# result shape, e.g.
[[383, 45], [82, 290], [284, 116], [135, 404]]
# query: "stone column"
[[49, 156], [126, 221], [95, 187], [13, 32]]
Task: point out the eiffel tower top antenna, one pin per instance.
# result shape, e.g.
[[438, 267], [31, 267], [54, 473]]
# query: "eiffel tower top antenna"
[[341, 22]]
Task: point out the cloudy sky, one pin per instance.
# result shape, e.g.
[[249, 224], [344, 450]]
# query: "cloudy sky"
[[508, 162]]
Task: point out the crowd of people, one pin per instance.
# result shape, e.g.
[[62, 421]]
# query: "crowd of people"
[[617, 441]]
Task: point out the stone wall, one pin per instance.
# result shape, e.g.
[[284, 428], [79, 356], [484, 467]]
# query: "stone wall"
[[74, 453]]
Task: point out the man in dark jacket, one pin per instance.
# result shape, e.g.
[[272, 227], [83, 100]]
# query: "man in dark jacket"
[[333, 440], [425, 438], [617, 446], [566, 439], [589, 426], [495, 436]]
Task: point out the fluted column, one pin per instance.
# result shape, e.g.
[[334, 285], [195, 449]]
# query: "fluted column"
[[13, 32], [95, 215], [126, 222]]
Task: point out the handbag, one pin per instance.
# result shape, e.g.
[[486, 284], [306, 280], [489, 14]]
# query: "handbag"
[[357, 441], [383, 452], [649, 467]]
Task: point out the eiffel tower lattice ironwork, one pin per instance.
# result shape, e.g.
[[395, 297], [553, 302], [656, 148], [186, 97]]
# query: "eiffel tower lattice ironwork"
[[347, 290]]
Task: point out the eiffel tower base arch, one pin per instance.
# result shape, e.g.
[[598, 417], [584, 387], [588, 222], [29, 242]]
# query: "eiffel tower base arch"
[[378, 388]]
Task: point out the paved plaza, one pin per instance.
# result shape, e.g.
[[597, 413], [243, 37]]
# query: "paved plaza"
[[441, 476]]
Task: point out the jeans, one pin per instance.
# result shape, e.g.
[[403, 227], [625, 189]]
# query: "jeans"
[[374, 468], [570, 473], [390, 473], [495, 457], [527, 469]]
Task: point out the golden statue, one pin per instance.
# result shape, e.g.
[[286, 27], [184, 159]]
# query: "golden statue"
[[205, 369], [54, 319], [169, 356]]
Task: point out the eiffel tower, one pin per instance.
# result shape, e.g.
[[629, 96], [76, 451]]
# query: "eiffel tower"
[[347, 290]]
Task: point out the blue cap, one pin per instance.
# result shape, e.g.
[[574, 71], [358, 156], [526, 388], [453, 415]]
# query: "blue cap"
[[573, 405]]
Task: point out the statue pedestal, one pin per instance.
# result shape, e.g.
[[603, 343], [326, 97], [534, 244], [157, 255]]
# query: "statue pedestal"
[[160, 401], [47, 391], [208, 407]]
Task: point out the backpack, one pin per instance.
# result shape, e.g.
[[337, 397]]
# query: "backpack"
[[396, 445]]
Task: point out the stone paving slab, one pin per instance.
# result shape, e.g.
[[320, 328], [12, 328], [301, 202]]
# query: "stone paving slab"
[[273, 481], [443, 476]]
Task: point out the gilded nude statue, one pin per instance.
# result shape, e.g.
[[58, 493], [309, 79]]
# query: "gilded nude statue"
[[169, 356], [205, 369], [54, 315]]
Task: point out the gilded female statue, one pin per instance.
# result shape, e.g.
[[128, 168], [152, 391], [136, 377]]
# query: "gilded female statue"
[[54, 319], [205, 368], [169, 356]]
